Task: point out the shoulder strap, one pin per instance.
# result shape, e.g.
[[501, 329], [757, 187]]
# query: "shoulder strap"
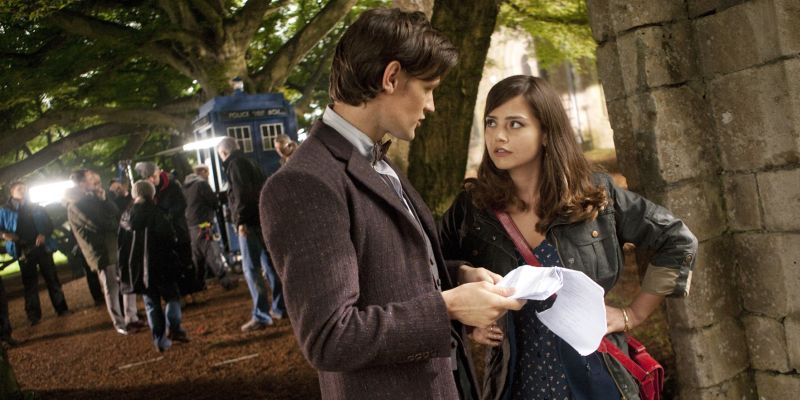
[[516, 237], [606, 346]]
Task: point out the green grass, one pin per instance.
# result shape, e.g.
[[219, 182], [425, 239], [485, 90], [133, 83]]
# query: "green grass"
[[13, 269]]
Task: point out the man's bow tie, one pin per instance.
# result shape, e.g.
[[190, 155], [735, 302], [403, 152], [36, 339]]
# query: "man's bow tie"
[[379, 150]]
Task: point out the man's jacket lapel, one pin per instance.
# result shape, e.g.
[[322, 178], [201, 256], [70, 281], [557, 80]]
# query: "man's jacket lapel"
[[360, 169]]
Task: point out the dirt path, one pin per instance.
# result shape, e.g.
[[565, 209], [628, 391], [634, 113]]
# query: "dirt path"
[[80, 356]]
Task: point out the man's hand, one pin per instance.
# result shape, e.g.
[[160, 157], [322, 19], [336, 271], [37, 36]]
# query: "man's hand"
[[100, 193], [39, 240], [467, 274], [479, 304], [491, 336], [242, 230]]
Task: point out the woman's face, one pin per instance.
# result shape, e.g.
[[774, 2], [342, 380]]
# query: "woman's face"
[[513, 136]]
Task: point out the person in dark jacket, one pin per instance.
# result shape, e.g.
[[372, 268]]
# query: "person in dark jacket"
[[170, 199], [27, 229], [245, 180], [94, 220], [201, 204], [150, 264], [535, 172], [119, 193]]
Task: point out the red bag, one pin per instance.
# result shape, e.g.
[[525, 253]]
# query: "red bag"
[[648, 372]]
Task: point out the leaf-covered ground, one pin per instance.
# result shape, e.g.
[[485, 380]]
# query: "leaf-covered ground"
[[80, 356]]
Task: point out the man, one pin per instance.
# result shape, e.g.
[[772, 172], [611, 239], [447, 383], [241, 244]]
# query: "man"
[[372, 302], [94, 220], [26, 229], [170, 199], [201, 203], [244, 185]]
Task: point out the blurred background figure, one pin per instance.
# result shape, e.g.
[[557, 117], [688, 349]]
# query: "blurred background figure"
[[285, 147], [119, 192], [94, 220], [27, 230], [170, 199], [201, 205]]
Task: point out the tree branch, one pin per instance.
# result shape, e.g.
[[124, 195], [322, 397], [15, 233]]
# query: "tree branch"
[[573, 19], [109, 32], [278, 68], [135, 143], [248, 19], [71, 143], [17, 138], [214, 14], [301, 105]]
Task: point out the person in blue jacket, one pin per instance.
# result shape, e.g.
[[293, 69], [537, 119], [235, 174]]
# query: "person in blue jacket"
[[27, 229]]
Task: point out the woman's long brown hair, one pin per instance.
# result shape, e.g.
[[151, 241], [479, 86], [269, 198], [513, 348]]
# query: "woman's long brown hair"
[[565, 185]]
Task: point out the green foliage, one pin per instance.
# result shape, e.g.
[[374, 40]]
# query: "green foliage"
[[560, 28], [50, 66], [312, 73]]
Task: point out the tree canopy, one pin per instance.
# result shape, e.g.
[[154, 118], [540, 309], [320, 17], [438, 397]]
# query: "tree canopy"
[[81, 78], [560, 28]]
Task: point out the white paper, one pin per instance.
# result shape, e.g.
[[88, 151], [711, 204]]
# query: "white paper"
[[533, 283], [578, 315]]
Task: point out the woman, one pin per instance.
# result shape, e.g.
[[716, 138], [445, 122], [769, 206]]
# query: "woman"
[[534, 170], [150, 265]]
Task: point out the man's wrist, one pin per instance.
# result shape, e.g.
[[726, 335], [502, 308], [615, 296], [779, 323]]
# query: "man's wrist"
[[447, 295]]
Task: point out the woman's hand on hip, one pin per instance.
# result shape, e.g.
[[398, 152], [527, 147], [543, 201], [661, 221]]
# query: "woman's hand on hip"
[[615, 321]]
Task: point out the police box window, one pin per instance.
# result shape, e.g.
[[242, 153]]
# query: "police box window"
[[242, 136], [268, 134]]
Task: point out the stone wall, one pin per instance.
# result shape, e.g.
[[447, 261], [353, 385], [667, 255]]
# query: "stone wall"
[[704, 100]]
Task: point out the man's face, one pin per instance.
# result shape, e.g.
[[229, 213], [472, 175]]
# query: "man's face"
[[92, 182], [409, 103], [155, 179], [19, 191], [118, 188], [223, 155]]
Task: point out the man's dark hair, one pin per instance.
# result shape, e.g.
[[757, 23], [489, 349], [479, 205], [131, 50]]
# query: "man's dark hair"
[[378, 37], [14, 184], [79, 175]]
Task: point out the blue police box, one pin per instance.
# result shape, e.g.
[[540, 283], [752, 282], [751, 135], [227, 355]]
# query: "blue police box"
[[254, 120]]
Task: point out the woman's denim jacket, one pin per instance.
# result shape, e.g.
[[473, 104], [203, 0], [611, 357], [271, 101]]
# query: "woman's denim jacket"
[[592, 247]]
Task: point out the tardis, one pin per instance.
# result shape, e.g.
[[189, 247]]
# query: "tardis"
[[254, 120]]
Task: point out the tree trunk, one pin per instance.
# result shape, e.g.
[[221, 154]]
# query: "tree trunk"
[[438, 155], [398, 153], [425, 6]]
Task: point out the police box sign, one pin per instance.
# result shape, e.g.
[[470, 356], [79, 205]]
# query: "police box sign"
[[252, 114]]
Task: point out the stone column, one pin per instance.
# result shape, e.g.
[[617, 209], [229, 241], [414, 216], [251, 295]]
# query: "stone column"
[[704, 100]]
